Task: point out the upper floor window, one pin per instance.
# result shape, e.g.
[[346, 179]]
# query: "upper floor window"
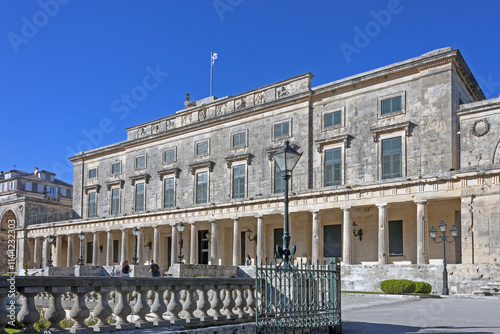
[[93, 173], [391, 158], [92, 204], [239, 139], [116, 168], [391, 105], [169, 192], [202, 187], [28, 186], [139, 197], [333, 119], [115, 201], [281, 129], [169, 155], [140, 162], [333, 167], [202, 148], [239, 181]]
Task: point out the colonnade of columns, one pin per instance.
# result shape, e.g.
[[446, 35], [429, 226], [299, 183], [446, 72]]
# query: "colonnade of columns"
[[40, 245]]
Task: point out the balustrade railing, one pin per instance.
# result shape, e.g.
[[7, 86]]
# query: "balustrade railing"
[[131, 302]]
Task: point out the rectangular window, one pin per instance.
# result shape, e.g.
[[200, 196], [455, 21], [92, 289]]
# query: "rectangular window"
[[278, 238], [139, 197], [202, 148], [169, 193], [332, 239], [391, 105], [333, 167], [90, 251], [28, 186], [115, 250], [391, 158], [41, 188], [333, 119], [63, 192], [395, 237], [140, 162], [169, 155], [239, 139], [239, 181], [279, 182], [202, 187], [115, 201], [116, 168], [92, 205], [93, 173], [281, 129]]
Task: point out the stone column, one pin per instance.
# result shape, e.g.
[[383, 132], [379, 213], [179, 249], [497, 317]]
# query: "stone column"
[[383, 246], [124, 246], [69, 257], [315, 236], [156, 244], [421, 219], [109, 248], [175, 245], [236, 242], [347, 246], [193, 254], [213, 244], [58, 252], [45, 253], [140, 247], [36, 255], [95, 249], [260, 240]]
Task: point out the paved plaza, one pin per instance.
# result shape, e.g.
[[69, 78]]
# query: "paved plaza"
[[395, 314]]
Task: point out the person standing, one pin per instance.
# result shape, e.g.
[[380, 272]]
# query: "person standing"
[[154, 269], [126, 270]]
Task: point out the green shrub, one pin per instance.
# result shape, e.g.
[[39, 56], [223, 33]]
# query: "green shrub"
[[423, 287], [67, 323], [42, 323], [397, 286]]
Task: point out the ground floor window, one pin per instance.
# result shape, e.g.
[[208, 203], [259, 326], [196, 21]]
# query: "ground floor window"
[[115, 250], [333, 240], [395, 238], [90, 252]]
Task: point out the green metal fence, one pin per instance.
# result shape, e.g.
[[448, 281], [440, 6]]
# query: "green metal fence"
[[299, 296]]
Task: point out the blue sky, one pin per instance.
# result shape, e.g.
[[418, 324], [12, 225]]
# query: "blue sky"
[[67, 66]]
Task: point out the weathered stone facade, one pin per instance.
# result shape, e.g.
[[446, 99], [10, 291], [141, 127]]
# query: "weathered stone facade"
[[210, 166], [28, 199]]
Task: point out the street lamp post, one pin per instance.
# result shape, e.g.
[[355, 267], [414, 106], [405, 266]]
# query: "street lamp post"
[[50, 239], [180, 228], [286, 159], [81, 236], [135, 232], [444, 239]]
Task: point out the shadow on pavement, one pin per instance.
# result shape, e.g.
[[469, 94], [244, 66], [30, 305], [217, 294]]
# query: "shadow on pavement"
[[349, 327]]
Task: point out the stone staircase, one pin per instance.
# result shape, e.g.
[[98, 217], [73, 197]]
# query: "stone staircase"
[[491, 289]]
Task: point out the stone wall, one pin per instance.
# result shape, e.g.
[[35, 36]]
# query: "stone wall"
[[461, 278]]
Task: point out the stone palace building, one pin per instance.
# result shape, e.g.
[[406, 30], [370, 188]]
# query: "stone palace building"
[[386, 154]]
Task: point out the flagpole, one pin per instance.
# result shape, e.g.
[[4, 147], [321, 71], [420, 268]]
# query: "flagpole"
[[211, 73]]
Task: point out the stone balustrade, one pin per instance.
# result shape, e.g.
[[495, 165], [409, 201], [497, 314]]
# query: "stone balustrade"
[[133, 302]]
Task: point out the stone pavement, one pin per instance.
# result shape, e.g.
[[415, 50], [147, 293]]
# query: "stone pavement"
[[386, 314], [409, 314]]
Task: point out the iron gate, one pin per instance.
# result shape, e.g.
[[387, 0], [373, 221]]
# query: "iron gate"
[[299, 296]]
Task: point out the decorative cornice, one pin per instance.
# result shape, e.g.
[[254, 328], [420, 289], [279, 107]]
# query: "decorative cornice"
[[203, 164], [110, 184], [168, 171], [97, 188], [247, 157], [331, 140], [136, 178], [407, 126]]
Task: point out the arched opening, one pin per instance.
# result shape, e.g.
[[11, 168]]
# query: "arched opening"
[[8, 243], [496, 154]]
